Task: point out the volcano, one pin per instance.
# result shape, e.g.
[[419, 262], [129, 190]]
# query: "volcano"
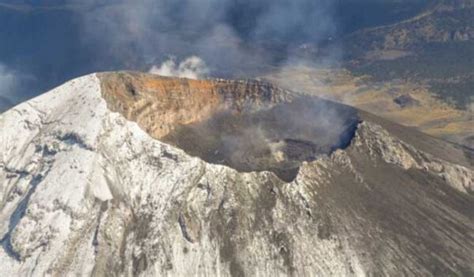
[[125, 173]]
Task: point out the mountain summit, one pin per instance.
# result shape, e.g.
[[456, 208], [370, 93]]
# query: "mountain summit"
[[134, 174]]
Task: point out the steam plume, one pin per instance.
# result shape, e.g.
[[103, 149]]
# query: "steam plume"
[[8, 84], [235, 38], [192, 68]]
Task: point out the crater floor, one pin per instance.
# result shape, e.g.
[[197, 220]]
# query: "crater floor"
[[276, 139]]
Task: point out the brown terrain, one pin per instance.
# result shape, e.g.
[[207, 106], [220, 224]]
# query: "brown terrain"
[[417, 71], [401, 101]]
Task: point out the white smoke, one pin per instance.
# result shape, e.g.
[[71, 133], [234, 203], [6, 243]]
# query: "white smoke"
[[192, 67], [237, 39], [7, 80], [11, 82], [8, 83]]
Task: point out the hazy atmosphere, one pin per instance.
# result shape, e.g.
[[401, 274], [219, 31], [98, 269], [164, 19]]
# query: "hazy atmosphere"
[[45, 43]]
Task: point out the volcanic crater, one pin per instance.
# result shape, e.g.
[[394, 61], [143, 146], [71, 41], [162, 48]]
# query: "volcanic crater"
[[246, 125]]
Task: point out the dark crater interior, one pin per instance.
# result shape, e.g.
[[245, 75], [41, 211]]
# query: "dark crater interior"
[[277, 138]]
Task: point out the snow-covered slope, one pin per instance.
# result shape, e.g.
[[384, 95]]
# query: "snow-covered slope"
[[84, 191]]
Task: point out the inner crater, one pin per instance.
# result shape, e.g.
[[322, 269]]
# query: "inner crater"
[[246, 125]]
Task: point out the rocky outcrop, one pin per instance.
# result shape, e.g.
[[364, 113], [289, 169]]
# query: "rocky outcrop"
[[85, 190], [159, 104]]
